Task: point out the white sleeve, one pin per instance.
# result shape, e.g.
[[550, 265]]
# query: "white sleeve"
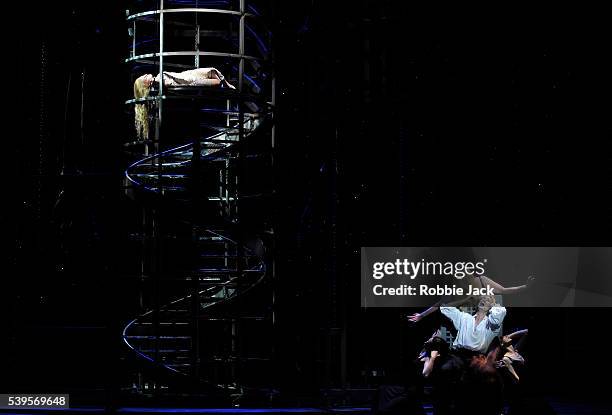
[[453, 314], [496, 317]]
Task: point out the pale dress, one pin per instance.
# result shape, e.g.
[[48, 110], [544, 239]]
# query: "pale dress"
[[192, 77]]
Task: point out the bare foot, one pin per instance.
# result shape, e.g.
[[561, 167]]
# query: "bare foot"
[[508, 365]]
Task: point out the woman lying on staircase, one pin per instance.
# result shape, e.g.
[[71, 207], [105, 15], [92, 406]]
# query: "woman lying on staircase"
[[211, 77]]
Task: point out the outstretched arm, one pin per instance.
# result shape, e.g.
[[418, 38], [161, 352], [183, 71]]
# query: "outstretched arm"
[[416, 317], [518, 333], [512, 336], [500, 289]]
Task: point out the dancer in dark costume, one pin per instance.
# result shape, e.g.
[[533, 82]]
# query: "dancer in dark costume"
[[510, 352]]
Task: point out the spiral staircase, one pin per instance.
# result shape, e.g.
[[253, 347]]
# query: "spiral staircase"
[[201, 182]]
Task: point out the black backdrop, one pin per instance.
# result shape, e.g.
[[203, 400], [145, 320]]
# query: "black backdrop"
[[396, 126]]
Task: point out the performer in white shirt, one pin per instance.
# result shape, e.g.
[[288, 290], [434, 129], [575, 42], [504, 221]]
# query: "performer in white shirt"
[[476, 332], [211, 77]]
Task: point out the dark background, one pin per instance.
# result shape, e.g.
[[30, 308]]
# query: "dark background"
[[395, 126]]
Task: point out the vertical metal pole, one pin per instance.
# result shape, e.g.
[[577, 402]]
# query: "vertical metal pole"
[[241, 48], [134, 38], [161, 80], [197, 45], [221, 185], [144, 231], [156, 290], [143, 275], [195, 200], [195, 279], [241, 51], [238, 176], [273, 227], [273, 138], [156, 214]]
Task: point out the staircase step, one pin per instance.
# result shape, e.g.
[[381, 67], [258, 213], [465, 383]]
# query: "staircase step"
[[160, 337], [231, 319], [212, 238], [227, 256], [229, 359], [226, 270]]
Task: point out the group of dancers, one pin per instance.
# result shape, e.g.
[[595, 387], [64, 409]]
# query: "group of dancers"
[[478, 355]]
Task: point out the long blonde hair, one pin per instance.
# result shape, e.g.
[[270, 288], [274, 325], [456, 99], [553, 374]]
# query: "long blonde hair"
[[141, 111]]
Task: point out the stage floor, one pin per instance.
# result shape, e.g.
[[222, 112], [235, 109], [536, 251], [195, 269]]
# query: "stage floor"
[[560, 407], [557, 405]]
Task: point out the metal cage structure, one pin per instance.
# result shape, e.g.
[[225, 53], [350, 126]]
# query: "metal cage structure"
[[201, 181]]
